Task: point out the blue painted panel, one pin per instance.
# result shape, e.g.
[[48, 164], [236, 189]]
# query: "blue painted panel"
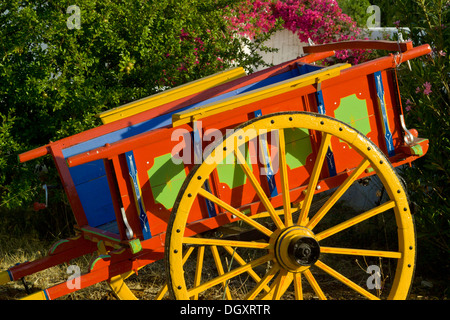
[[97, 202], [110, 227], [88, 171], [137, 195], [264, 149], [307, 68], [382, 107], [330, 155], [198, 152]]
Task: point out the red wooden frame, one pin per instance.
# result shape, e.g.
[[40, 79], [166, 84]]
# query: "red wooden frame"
[[361, 44]]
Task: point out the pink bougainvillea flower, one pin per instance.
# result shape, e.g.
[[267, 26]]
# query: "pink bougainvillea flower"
[[321, 21]]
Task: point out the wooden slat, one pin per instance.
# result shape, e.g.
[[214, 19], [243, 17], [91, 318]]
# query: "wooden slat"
[[361, 44], [170, 95], [188, 116]]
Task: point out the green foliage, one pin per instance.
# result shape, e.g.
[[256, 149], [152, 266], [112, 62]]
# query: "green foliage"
[[426, 101], [54, 78], [356, 9], [389, 12]]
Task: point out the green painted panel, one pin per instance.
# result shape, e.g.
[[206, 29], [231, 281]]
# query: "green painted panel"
[[166, 179], [230, 173], [298, 147], [353, 112]]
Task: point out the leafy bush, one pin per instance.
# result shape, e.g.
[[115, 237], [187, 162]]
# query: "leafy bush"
[[57, 72], [426, 101], [356, 9]]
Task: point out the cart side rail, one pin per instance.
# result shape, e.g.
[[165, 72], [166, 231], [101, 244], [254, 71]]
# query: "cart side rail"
[[361, 44], [139, 118]]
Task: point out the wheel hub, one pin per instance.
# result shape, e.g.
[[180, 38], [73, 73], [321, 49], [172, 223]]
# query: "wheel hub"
[[296, 249]]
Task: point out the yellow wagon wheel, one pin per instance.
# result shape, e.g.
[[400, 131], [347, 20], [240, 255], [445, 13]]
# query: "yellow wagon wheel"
[[293, 255]]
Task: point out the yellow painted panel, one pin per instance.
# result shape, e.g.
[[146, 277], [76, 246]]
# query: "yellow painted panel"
[[190, 115], [4, 277], [40, 295], [170, 95]]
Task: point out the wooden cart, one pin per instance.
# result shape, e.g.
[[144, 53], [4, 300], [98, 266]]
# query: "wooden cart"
[[235, 181]]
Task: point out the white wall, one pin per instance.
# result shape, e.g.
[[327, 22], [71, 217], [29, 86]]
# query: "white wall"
[[288, 44]]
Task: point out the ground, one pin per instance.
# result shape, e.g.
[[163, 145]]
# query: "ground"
[[425, 286]]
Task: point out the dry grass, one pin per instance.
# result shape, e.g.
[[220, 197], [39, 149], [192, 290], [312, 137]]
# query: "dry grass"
[[150, 279], [145, 285], [20, 250]]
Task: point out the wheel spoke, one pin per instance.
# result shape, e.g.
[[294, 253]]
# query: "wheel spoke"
[[266, 214], [220, 270], [351, 222], [187, 254], [162, 292], [298, 286], [313, 283], [362, 252], [263, 283], [284, 179], [234, 211], [324, 145], [242, 262], [283, 282], [224, 243], [345, 280], [260, 192], [230, 274], [337, 194], [199, 268]]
